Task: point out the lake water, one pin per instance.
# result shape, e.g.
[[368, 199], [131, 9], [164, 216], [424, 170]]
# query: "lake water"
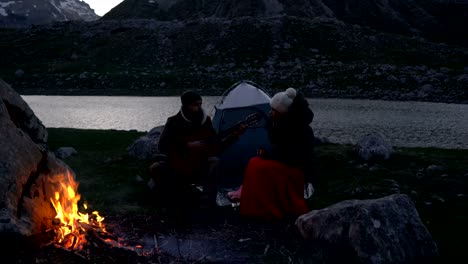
[[412, 124]]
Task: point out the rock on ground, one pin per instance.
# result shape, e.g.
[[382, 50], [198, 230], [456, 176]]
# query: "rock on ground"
[[374, 145], [384, 230], [65, 152], [146, 147]]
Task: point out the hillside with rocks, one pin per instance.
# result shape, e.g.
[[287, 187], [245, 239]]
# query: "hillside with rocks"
[[436, 19], [439, 20], [167, 10], [29, 12], [345, 49], [322, 57]]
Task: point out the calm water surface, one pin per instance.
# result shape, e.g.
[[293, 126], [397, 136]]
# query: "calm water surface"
[[412, 124]]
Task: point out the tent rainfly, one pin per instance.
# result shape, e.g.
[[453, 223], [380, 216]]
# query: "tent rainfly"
[[238, 102]]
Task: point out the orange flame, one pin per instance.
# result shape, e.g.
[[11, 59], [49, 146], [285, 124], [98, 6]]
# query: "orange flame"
[[70, 225]]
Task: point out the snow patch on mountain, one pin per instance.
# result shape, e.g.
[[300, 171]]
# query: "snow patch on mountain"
[[77, 7], [3, 5], [273, 7], [32, 12], [52, 2]]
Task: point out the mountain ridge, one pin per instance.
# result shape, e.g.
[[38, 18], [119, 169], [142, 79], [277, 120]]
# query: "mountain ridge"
[[440, 20], [34, 12]]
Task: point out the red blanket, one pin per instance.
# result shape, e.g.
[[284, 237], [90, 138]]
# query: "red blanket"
[[272, 190]]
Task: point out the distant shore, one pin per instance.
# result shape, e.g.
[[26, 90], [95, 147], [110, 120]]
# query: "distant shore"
[[331, 94]]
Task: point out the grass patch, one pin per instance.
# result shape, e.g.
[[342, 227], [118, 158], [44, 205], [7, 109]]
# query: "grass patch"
[[107, 180], [440, 196], [105, 172]]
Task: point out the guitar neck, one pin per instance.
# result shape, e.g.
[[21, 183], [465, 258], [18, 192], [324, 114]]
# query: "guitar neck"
[[249, 121], [230, 130]]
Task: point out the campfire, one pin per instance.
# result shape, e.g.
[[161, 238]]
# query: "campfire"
[[73, 230], [72, 227]]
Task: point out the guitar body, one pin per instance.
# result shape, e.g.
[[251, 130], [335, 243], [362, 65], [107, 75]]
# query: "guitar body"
[[192, 161]]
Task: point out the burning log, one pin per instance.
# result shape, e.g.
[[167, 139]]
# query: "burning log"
[[73, 229], [88, 234]]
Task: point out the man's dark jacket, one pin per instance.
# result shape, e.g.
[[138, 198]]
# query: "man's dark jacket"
[[179, 130]]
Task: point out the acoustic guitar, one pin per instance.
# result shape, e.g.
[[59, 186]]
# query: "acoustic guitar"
[[193, 160]]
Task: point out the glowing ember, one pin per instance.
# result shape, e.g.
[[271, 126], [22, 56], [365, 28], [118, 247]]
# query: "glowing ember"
[[72, 227]]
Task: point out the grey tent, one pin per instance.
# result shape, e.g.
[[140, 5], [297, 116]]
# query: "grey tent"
[[238, 102]]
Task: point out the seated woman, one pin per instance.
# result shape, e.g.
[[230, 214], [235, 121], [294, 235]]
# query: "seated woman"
[[273, 186]]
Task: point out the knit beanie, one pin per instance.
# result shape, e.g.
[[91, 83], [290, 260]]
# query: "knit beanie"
[[189, 97], [283, 100]]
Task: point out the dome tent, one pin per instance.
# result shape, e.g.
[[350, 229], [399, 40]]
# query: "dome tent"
[[241, 100]]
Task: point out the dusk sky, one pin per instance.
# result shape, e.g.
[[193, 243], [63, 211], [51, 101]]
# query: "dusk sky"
[[102, 6]]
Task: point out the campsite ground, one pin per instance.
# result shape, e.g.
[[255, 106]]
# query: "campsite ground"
[[109, 182]]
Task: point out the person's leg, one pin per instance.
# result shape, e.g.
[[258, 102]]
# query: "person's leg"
[[169, 187], [210, 182], [258, 197], [156, 171], [175, 197], [162, 183], [272, 190]]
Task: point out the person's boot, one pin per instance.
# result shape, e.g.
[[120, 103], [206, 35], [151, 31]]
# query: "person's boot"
[[207, 201]]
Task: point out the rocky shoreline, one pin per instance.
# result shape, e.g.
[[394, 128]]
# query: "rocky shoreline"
[[418, 83], [410, 83]]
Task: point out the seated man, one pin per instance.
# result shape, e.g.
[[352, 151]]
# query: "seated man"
[[191, 144]]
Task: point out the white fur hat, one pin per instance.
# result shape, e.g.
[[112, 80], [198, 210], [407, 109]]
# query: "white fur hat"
[[282, 100]]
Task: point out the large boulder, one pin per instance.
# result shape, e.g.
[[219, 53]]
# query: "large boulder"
[[385, 230], [21, 115], [373, 146], [146, 147], [19, 158], [29, 175]]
